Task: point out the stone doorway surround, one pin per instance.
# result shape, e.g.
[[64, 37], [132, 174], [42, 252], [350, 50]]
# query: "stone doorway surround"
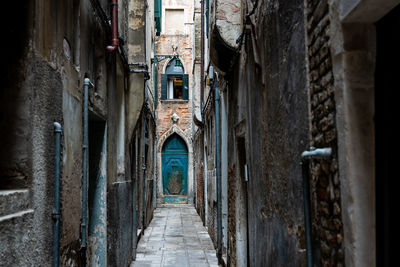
[[353, 48], [175, 129]]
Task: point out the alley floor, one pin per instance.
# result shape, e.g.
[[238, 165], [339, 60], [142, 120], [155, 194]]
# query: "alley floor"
[[176, 237]]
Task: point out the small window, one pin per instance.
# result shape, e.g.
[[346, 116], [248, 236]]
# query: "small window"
[[175, 87], [174, 21], [174, 83]]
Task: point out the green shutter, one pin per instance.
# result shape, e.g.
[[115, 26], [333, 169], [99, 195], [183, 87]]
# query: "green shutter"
[[157, 10], [185, 83], [207, 15], [157, 16], [164, 86], [158, 26]]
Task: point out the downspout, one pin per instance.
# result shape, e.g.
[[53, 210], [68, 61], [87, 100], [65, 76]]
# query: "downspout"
[[134, 238], [144, 167], [155, 85], [86, 85], [306, 156], [144, 172], [218, 168], [155, 170], [114, 26], [202, 60], [202, 104], [56, 212]]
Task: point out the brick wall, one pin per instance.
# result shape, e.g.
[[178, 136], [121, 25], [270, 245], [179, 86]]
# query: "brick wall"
[[168, 107], [326, 209], [231, 218], [212, 204], [198, 160]]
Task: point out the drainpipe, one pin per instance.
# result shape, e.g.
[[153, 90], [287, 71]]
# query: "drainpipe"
[[114, 26], [202, 60], [86, 84], [306, 156], [144, 172], [56, 212], [155, 170], [134, 240], [218, 172], [202, 32]]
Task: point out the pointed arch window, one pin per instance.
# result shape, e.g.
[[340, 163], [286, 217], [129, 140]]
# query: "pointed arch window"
[[174, 82]]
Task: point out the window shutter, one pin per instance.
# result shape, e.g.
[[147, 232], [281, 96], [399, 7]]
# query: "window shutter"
[[207, 15], [185, 83], [157, 16], [164, 86]]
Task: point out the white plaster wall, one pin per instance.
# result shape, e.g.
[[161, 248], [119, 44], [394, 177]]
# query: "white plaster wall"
[[175, 5]]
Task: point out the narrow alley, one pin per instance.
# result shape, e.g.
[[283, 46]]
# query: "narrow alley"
[[176, 237], [250, 133]]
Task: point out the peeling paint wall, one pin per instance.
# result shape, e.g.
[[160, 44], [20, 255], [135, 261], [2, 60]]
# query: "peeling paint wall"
[[57, 45], [267, 118]]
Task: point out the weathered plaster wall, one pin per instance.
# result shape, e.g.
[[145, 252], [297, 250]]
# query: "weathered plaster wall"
[[44, 86], [57, 45], [136, 51], [119, 189], [269, 97], [353, 45], [227, 17], [72, 173]]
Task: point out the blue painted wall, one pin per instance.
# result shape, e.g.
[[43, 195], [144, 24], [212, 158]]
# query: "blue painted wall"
[[97, 195]]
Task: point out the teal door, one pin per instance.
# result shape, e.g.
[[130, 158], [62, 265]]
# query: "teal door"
[[174, 170]]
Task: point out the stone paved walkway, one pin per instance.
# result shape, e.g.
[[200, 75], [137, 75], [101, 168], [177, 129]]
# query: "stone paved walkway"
[[176, 237]]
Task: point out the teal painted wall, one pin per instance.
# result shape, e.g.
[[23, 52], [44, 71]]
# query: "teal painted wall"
[[97, 229]]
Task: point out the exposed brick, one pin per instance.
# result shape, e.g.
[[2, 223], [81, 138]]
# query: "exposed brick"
[[330, 135], [325, 178]]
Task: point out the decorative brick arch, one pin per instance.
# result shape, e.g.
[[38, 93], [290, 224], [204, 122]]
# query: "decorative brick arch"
[[174, 129], [188, 141], [164, 67]]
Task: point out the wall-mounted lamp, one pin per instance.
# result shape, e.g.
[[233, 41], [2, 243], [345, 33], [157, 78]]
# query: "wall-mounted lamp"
[[178, 62]]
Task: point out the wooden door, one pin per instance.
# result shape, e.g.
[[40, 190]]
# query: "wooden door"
[[174, 170]]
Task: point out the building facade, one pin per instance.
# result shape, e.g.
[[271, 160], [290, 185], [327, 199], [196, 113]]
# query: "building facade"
[[290, 77], [85, 65], [173, 61]]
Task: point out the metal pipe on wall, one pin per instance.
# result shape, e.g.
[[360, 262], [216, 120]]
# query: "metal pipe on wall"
[[202, 59], [56, 211], [114, 26], [306, 156], [204, 169], [144, 171], [86, 84], [134, 215], [155, 170]]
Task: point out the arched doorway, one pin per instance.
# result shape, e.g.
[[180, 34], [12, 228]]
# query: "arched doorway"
[[175, 170]]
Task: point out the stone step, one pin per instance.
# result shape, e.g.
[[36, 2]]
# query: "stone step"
[[13, 201], [20, 215]]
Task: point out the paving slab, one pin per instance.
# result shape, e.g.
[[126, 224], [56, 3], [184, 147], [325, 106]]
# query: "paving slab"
[[175, 237]]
